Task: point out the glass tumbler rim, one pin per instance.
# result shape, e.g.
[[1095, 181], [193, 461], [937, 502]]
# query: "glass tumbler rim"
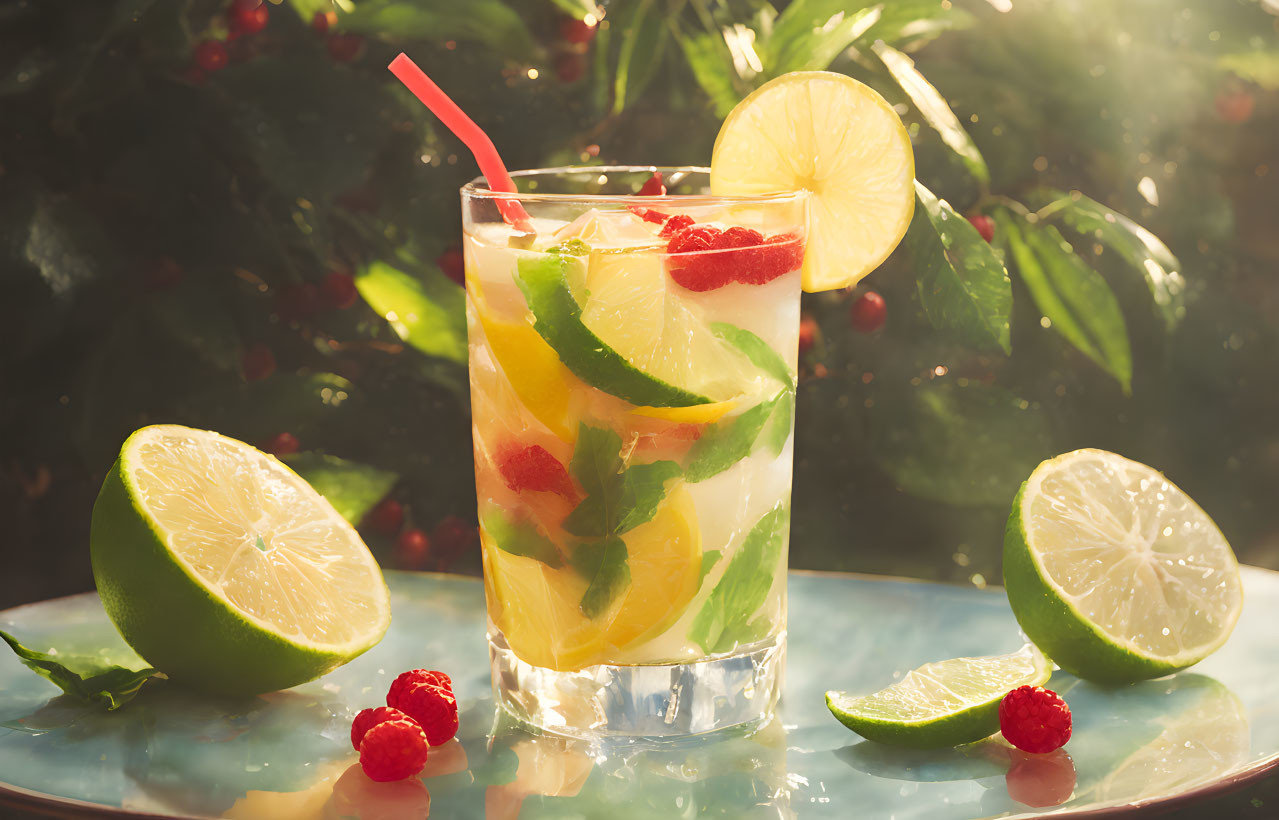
[[478, 188]]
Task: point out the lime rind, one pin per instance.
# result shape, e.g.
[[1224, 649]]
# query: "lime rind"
[[1075, 641], [948, 703]]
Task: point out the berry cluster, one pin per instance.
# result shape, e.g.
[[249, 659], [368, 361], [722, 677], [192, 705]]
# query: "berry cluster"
[[703, 257], [395, 740]]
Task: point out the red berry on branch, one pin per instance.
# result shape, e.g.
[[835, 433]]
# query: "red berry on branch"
[[343, 48], [162, 273], [258, 362], [570, 67], [194, 75], [339, 290], [281, 444], [1236, 106], [412, 549], [323, 21], [452, 537], [385, 518], [247, 16], [453, 263], [984, 225], [807, 333], [1034, 719], [577, 31], [296, 302], [868, 312], [210, 55]]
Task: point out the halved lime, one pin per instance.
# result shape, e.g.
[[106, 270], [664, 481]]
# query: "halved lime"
[[941, 704], [225, 570], [1114, 572], [839, 140]]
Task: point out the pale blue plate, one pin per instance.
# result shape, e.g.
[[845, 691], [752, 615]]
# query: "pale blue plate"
[[287, 755]]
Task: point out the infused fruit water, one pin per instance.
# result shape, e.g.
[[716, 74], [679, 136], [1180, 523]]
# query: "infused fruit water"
[[633, 369]]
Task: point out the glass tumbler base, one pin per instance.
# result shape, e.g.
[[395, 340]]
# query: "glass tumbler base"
[[648, 701]]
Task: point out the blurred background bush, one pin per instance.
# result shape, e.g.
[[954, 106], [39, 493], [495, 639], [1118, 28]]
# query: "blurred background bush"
[[231, 216]]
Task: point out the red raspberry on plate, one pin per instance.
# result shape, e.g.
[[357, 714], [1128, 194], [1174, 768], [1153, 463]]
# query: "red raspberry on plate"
[[412, 678], [393, 750], [675, 224], [434, 709], [534, 468], [368, 718], [1034, 719]]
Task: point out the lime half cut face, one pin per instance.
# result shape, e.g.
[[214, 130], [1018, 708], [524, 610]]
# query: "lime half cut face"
[[224, 568], [947, 703], [1115, 572]]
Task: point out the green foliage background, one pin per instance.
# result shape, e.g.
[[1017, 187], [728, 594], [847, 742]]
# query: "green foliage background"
[[1076, 327]]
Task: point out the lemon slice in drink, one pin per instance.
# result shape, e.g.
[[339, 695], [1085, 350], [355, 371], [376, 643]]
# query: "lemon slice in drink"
[[838, 139], [941, 704], [633, 307], [225, 570], [1116, 573]]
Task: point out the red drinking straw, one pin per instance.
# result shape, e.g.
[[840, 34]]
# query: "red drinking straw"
[[468, 132]]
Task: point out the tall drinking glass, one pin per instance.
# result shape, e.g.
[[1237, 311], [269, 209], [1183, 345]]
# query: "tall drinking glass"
[[633, 366]]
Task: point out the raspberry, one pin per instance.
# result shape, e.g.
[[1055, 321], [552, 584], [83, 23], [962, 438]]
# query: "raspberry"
[[675, 224], [434, 708], [533, 468], [984, 225], [210, 55], [281, 444], [386, 518], [868, 313], [698, 271], [323, 21], [339, 290], [412, 678], [453, 263], [1034, 719], [736, 263], [247, 16], [779, 256], [1041, 781], [258, 362], [653, 186], [393, 750], [369, 718]]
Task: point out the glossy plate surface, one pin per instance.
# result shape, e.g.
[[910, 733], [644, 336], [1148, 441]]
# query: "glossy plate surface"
[[288, 755]]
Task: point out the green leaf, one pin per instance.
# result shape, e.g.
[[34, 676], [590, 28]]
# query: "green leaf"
[[111, 678], [809, 34], [352, 488], [712, 67], [727, 442], [963, 285], [969, 446], [520, 538], [1260, 67], [194, 316], [709, 559], [427, 312], [1074, 297], [619, 497], [644, 35], [932, 106], [603, 564], [1142, 250], [744, 585], [491, 22], [757, 350], [779, 425], [577, 8]]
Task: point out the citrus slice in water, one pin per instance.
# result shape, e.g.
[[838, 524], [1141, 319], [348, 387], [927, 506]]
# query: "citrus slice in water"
[[225, 570], [941, 704], [1116, 573], [837, 139]]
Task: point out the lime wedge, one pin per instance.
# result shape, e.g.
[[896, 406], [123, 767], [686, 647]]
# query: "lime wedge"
[[837, 139], [941, 704], [558, 319], [1114, 572], [225, 570]]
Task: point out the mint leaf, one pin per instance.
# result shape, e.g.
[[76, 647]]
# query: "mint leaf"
[[352, 488], [757, 350], [709, 559], [520, 538], [618, 498], [726, 616], [111, 679], [779, 425], [604, 565], [727, 442]]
